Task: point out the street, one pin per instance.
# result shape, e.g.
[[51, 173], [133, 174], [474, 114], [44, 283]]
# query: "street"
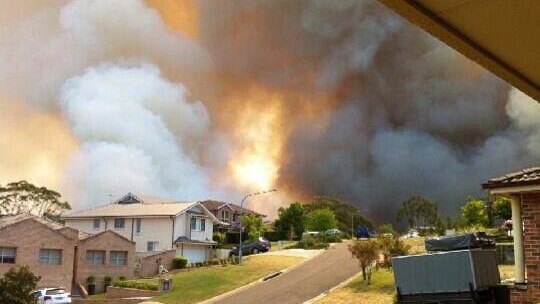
[[301, 283]]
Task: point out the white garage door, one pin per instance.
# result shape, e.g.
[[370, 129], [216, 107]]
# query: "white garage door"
[[195, 254]]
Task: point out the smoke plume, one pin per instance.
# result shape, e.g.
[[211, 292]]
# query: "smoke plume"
[[215, 99]]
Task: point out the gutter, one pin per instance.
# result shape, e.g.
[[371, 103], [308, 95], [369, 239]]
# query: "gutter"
[[132, 223], [172, 234]]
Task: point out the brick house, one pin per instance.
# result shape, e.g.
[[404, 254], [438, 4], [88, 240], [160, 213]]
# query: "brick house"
[[523, 190], [104, 254], [62, 255]]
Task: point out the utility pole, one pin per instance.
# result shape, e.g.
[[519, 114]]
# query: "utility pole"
[[241, 207]]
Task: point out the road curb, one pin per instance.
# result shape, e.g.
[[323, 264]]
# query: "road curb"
[[259, 281], [324, 294]]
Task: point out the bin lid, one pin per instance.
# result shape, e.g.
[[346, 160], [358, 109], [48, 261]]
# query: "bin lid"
[[458, 242]]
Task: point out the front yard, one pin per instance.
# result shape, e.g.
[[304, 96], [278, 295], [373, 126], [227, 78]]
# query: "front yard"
[[380, 291], [201, 284], [382, 288]]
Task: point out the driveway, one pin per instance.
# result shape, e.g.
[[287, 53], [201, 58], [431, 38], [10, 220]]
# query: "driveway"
[[301, 283]]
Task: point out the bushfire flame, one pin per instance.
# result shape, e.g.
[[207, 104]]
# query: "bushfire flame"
[[259, 133]]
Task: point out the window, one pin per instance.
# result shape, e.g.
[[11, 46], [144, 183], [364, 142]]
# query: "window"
[[97, 223], [119, 223], [95, 257], [138, 225], [50, 256], [225, 215], [203, 224], [118, 258], [152, 246], [234, 217], [7, 255], [193, 223]]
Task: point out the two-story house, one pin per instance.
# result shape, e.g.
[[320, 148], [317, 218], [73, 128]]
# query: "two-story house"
[[153, 224], [228, 216]]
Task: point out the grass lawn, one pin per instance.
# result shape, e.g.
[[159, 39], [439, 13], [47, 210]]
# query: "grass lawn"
[[99, 296], [197, 285], [380, 291]]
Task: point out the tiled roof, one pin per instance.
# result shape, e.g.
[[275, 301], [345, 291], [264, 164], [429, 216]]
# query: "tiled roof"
[[212, 205], [132, 210], [529, 176], [215, 205], [184, 239], [8, 220]]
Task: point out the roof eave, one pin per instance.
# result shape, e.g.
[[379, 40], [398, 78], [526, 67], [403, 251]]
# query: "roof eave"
[[512, 189]]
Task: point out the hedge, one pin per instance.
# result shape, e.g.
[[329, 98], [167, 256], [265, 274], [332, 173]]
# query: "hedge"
[[179, 262], [136, 285]]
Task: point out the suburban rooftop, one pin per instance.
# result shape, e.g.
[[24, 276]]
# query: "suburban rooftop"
[[7, 220], [523, 177], [131, 206]]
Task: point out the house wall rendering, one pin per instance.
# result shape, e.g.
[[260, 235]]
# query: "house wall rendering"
[[144, 230]]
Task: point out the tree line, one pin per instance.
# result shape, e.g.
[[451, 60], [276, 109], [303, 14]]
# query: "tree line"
[[320, 214], [23, 197], [422, 214]]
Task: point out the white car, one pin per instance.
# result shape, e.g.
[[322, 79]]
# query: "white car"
[[52, 296]]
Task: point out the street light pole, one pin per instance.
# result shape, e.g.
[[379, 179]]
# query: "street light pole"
[[241, 207]]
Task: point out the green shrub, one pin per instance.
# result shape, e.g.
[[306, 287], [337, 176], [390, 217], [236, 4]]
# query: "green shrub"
[[16, 285], [311, 242], [218, 237], [91, 279], [179, 262], [215, 262], [333, 237], [121, 278], [107, 280], [136, 285]]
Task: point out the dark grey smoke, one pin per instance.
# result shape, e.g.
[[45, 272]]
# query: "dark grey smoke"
[[409, 116]]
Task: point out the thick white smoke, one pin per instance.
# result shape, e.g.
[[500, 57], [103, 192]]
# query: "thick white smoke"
[[130, 123]]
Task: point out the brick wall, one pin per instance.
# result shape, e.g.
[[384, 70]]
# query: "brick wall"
[[530, 213], [149, 264], [106, 241], [107, 301], [29, 236]]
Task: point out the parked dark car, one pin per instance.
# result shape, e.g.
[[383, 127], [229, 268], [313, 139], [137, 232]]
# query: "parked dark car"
[[252, 247]]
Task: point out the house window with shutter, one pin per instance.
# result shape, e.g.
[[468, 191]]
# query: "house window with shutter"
[[118, 258], [203, 224], [95, 257], [7, 255]]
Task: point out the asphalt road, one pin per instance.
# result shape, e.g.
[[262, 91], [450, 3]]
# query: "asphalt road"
[[301, 283]]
